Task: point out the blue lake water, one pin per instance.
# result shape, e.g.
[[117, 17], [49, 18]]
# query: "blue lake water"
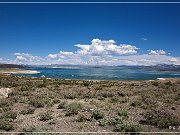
[[103, 73]]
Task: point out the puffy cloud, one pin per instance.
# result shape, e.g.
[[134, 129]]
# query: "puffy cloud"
[[98, 52], [103, 47], [52, 56], [157, 52], [61, 54], [25, 58]]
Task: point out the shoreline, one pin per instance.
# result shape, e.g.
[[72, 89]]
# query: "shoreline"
[[86, 80], [17, 71]]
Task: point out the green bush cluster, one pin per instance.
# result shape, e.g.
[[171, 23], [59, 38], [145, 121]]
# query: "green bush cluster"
[[97, 114], [45, 116], [160, 118], [73, 109], [111, 121], [114, 100], [5, 103], [132, 128], [9, 115], [123, 113], [62, 105], [28, 110], [82, 118], [39, 101], [5, 125]]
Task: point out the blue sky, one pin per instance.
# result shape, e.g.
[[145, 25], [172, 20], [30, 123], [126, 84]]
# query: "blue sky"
[[38, 30]]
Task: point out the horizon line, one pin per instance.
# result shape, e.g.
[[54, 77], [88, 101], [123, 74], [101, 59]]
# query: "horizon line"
[[88, 2]]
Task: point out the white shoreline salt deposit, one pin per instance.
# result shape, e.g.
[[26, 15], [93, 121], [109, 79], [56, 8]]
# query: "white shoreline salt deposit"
[[161, 79]]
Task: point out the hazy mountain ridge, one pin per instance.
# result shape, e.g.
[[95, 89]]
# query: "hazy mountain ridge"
[[158, 67], [10, 66]]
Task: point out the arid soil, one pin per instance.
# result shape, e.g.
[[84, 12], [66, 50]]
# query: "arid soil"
[[55, 105]]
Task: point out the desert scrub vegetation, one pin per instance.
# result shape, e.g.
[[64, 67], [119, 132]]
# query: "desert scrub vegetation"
[[39, 101], [123, 113], [112, 104], [73, 109], [128, 128], [136, 103], [83, 118], [112, 121], [28, 110], [45, 116], [114, 100], [5, 102], [161, 118], [5, 125], [62, 105], [8, 115], [97, 114], [30, 129], [6, 119]]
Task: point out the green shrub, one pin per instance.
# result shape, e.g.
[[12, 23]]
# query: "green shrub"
[[116, 120], [114, 100], [111, 121], [5, 103], [52, 122], [45, 116], [103, 122], [73, 109], [124, 114], [29, 129], [39, 101], [122, 94], [62, 105], [81, 118], [105, 94], [5, 125], [9, 115], [160, 118], [6, 109], [86, 83], [25, 88], [136, 103], [148, 100], [56, 101], [70, 95], [100, 98], [29, 110], [155, 83], [128, 128], [168, 83], [97, 114]]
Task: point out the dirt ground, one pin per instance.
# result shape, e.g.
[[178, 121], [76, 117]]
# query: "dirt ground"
[[55, 105]]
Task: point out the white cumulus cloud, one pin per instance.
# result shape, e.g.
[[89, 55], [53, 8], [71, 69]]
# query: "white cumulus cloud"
[[98, 52], [157, 52], [103, 47], [25, 58]]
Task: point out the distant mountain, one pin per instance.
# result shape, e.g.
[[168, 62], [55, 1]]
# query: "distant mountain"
[[163, 67], [158, 67], [10, 66]]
